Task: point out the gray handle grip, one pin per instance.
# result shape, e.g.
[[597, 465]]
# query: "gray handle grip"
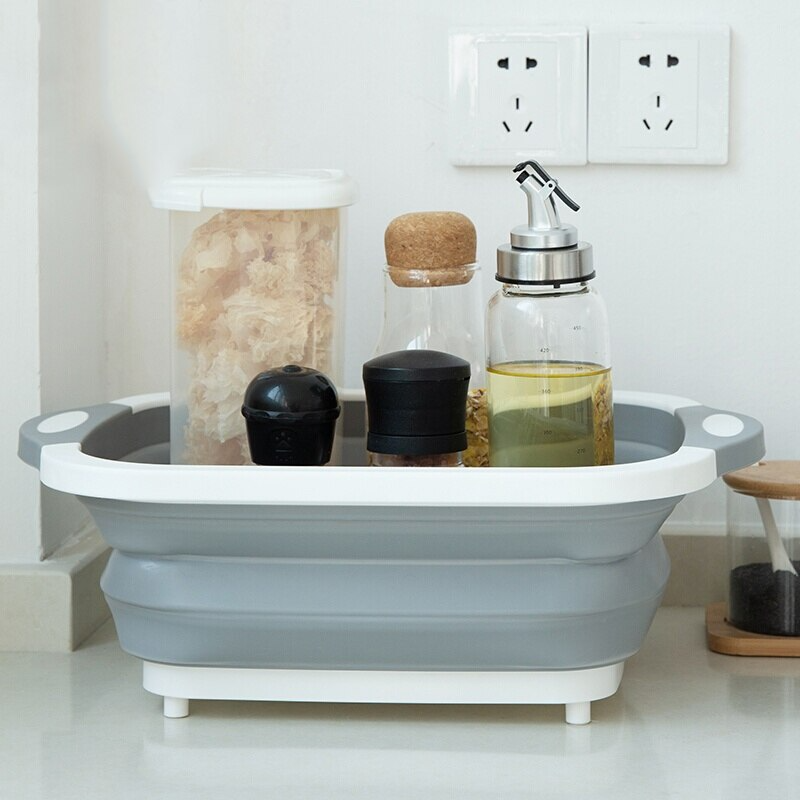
[[737, 440], [66, 426]]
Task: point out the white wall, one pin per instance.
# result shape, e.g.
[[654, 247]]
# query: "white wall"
[[19, 301], [52, 314], [71, 227], [71, 206], [696, 263]]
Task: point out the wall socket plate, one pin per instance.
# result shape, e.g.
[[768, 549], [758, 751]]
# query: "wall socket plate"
[[658, 94], [518, 95]]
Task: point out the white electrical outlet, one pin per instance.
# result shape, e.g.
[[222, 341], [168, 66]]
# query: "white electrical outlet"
[[658, 94], [518, 95]]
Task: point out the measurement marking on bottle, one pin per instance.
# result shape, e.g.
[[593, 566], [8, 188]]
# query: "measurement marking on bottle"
[[544, 349], [577, 327]]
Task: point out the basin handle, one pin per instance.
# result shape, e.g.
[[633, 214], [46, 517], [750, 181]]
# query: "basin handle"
[[77, 425], [737, 440]]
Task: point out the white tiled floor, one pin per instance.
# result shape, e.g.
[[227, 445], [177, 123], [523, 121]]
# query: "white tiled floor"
[[686, 723]]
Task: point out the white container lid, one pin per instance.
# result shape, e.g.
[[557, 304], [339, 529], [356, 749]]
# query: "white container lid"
[[257, 190]]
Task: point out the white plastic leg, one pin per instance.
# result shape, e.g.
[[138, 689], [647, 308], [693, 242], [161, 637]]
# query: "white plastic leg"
[[576, 689], [579, 713], [176, 707]]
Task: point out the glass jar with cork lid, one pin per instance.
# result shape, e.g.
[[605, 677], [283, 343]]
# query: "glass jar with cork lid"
[[433, 301]]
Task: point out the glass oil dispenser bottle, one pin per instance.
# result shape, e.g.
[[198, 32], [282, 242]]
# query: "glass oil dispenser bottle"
[[548, 363]]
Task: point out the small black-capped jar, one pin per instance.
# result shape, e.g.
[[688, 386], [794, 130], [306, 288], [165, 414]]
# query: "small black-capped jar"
[[291, 415], [416, 409]]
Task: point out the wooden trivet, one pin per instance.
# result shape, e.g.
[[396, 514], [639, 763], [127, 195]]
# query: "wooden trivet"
[[723, 638]]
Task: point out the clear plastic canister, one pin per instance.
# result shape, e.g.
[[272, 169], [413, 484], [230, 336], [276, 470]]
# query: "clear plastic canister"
[[256, 284], [763, 515]]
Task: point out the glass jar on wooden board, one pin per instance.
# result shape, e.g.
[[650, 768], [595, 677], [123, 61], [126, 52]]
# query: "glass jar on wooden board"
[[763, 518]]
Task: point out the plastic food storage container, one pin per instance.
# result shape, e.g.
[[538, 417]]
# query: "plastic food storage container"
[[763, 530], [256, 284]]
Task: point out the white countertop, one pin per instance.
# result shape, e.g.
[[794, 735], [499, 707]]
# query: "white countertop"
[[686, 723]]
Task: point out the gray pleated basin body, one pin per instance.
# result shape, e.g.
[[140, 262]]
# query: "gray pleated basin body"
[[389, 586]]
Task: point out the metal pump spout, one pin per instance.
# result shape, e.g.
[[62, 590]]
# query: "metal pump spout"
[[545, 229], [542, 211], [546, 251]]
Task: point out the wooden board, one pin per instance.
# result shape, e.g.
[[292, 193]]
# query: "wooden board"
[[775, 480], [724, 638]]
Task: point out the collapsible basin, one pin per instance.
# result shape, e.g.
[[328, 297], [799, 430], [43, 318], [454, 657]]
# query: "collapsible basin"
[[393, 568]]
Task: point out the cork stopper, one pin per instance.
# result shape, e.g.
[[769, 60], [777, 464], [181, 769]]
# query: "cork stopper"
[[430, 248], [775, 480]]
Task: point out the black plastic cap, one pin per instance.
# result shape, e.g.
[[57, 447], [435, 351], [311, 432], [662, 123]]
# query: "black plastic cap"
[[416, 402], [291, 415]]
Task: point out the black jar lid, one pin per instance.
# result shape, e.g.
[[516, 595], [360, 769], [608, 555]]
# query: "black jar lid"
[[291, 393], [416, 402]]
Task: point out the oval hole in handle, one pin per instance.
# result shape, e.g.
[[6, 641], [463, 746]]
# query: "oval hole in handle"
[[723, 425], [62, 422]]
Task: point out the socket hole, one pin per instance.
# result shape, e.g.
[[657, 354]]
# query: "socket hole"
[[503, 63], [658, 101], [528, 127], [530, 63], [668, 125], [516, 103], [505, 125], [646, 124], [645, 61], [672, 61]]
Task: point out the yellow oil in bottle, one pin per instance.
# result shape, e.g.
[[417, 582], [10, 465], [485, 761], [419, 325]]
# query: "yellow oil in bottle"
[[550, 414]]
